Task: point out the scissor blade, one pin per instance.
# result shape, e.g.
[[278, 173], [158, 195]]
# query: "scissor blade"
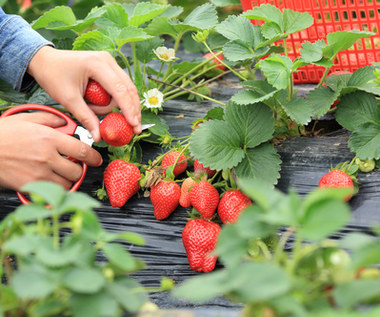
[[84, 135], [147, 126]]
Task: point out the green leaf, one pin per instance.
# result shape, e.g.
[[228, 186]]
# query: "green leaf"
[[356, 241], [260, 91], [277, 70], [131, 34], [172, 12], [120, 257], [295, 21], [161, 26], [56, 17], [262, 163], [23, 245], [115, 16], [312, 52], [145, 11], [144, 49], [349, 294], [30, 284], [202, 17], [124, 291], [217, 145], [51, 193], [32, 212], [368, 254], [224, 3], [365, 141], [319, 222], [316, 103], [79, 201], [254, 123], [357, 108], [260, 282], [216, 113], [131, 237], [342, 40], [266, 12], [271, 30], [160, 127], [91, 228], [337, 81], [95, 305], [84, 280], [53, 257], [94, 41], [239, 28], [237, 50]]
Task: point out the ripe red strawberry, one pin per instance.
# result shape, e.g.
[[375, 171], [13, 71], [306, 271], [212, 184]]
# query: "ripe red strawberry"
[[96, 94], [215, 60], [165, 198], [337, 179], [187, 184], [121, 180], [169, 159], [200, 169], [231, 204], [205, 198], [199, 237], [115, 129]]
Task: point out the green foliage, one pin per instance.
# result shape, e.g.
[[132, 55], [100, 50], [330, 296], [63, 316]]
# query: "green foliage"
[[260, 272], [59, 274]]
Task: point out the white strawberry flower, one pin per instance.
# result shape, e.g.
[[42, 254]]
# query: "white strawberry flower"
[[165, 54], [153, 98]]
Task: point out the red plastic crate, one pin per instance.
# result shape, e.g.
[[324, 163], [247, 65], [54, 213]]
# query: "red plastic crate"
[[331, 16]]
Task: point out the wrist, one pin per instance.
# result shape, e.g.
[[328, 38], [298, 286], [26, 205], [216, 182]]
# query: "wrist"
[[38, 62]]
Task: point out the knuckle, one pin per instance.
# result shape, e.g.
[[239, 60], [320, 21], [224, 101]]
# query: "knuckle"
[[83, 151]]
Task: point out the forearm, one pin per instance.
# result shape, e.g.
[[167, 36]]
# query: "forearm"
[[18, 45]]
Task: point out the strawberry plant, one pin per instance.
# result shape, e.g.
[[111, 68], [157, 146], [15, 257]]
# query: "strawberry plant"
[[48, 272], [319, 277]]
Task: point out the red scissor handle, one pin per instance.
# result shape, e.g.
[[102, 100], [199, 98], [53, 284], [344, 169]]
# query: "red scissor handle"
[[68, 129]]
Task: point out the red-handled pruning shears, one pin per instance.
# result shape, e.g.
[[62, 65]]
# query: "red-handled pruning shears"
[[70, 128]]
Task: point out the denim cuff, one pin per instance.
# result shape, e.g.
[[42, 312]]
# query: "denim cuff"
[[18, 44]]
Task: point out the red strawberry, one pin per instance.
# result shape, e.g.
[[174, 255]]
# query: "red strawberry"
[[199, 237], [169, 159], [121, 180], [96, 94], [337, 179], [205, 198], [187, 184], [231, 204], [115, 129], [165, 198], [215, 60], [200, 169]]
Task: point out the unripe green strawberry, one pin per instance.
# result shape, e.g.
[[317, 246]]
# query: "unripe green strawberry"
[[165, 198], [199, 169], [121, 180], [337, 179], [169, 159], [187, 184], [199, 238], [204, 198], [96, 94], [115, 129], [231, 205]]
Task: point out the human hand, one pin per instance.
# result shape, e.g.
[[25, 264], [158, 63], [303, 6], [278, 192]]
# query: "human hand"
[[31, 149], [64, 76]]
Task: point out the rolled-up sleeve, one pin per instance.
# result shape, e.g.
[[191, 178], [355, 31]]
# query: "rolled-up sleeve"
[[18, 44]]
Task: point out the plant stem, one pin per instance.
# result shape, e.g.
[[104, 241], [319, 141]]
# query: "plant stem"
[[281, 244], [55, 219], [125, 60], [186, 90], [323, 77]]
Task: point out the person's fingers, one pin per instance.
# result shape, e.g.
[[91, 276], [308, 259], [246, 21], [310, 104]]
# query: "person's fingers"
[[123, 91], [102, 110], [67, 169], [79, 109], [58, 179], [76, 149]]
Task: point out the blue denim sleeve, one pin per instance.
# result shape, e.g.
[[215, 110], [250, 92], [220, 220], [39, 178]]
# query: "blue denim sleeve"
[[18, 44]]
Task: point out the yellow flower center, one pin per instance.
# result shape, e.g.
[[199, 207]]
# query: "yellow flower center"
[[153, 100], [164, 56]]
